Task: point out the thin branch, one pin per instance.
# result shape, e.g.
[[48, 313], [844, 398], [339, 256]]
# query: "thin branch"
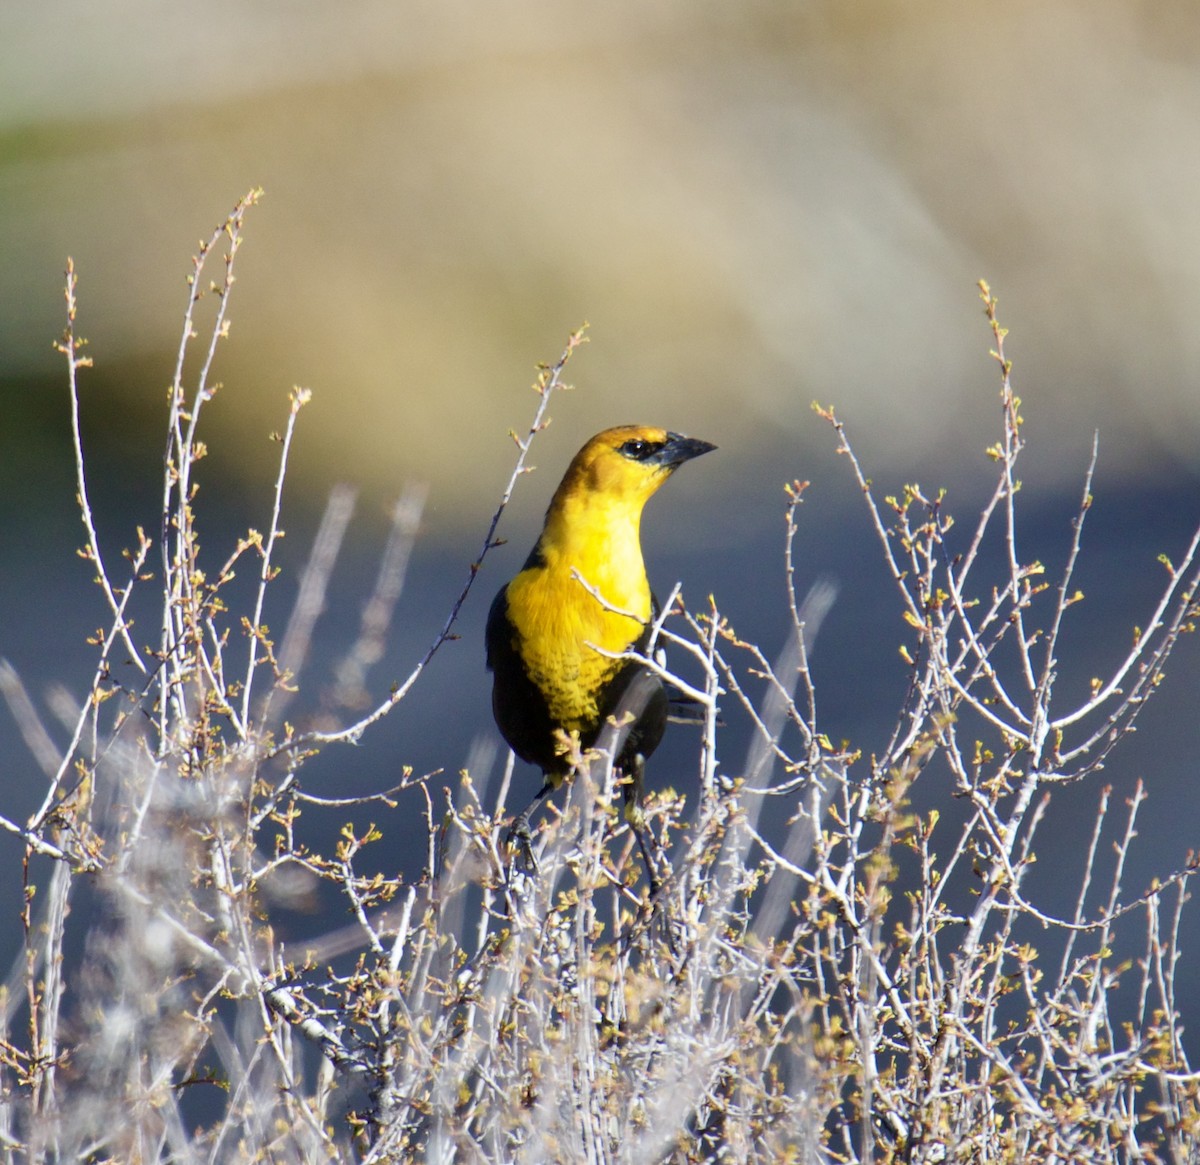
[[300, 397], [70, 346], [549, 380]]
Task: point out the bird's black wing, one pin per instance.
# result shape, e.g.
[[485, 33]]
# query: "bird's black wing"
[[520, 708]]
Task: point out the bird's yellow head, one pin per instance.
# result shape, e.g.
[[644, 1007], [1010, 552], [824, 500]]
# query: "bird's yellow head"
[[627, 464]]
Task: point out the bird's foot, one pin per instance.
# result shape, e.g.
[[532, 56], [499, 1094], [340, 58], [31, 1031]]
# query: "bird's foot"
[[520, 839]]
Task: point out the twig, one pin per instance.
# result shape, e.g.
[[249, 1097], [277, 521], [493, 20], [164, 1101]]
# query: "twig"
[[549, 380]]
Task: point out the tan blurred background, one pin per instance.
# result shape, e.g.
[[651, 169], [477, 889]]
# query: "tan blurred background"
[[753, 204]]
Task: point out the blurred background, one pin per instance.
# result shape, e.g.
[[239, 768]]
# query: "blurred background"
[[754, 206]]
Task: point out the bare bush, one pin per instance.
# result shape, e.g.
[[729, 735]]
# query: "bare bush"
[[827, 974]]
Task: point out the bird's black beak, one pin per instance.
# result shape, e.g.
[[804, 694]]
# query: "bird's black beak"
[[679, 449]]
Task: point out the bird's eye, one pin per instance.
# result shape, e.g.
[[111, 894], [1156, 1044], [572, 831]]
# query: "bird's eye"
[[639, 450]]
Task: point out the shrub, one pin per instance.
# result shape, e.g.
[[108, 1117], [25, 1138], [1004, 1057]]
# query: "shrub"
[[860, 984]]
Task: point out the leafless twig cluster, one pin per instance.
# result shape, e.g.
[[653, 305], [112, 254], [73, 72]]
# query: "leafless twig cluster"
[[826, 973]]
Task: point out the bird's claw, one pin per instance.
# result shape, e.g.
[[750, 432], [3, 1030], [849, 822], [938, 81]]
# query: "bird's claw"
[[520, 839]]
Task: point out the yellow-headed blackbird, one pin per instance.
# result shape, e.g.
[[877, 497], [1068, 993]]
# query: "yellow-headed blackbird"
[[545, 625]]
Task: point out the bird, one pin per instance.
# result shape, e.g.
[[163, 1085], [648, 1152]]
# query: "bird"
[[583, 588]]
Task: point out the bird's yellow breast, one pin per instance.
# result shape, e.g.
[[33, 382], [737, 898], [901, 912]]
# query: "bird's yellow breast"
[[557, 623]]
